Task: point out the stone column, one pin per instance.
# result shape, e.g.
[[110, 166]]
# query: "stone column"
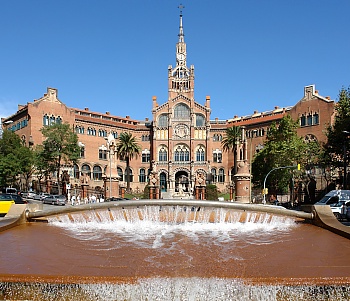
[[111, 177], [242, 182], [231, 192]]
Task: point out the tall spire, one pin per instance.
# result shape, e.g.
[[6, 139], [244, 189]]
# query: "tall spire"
[[181, 31]]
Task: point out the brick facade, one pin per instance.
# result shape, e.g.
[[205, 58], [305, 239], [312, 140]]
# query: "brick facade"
[[181, 145]]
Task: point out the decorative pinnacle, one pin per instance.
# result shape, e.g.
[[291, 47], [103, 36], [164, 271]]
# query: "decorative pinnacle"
[[181, 32], [181, 7]]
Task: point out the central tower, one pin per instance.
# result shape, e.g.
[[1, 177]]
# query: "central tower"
[[180, 131], [181, 78]]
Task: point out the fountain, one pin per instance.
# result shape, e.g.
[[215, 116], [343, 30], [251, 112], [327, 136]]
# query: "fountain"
[[173, 252]]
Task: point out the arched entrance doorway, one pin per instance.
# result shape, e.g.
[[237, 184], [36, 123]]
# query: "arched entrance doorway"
[[163, 181], [182, 182]]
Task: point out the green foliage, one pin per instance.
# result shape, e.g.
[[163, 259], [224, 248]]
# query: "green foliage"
[[231, 140], [59, 147], [15, 158], [211, 192], [282, 147], [333, 151], [126, 148], [146, 192]]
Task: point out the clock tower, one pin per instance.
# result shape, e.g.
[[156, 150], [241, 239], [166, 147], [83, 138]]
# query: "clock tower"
[[181, 78], [180, 132]]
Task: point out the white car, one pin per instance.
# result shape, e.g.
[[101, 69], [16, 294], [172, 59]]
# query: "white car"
[[339, 209], [41, 196]]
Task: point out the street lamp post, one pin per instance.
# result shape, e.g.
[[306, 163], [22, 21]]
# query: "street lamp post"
[[111, 145], [110, 172], [250, 164], [282, 167], [344, 159]]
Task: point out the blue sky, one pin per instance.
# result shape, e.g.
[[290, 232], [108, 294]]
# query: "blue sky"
[[112, 55]]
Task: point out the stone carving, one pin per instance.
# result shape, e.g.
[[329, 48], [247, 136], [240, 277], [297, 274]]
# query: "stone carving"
[[85, 179], [200, 180], [153, 179], [181, 131]]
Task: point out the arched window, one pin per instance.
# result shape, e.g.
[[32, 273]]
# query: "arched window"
[[59, 120], [142, 175], [120, 173], [309, 119], [102, 133], [82, 152], [76, 173], [85, 169], [45, 120], [115, 135], [52, 120], [217, 156], [97, 173], [145, 138], [200, 120], [131, 177], [163, 154], [146, 155], [221, 176], [163, 121], [102, 154], [213, 175], [200, 154], [181, 112], [162, 181], [181, 154]]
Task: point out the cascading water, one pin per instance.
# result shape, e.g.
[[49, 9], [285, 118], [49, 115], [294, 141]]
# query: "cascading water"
[[176, 253]]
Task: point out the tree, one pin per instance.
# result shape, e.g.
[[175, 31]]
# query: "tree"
[[126, 148], [60, 146], [15, 158], [334, 149], [282, 148], [211, 192], [231, 141]]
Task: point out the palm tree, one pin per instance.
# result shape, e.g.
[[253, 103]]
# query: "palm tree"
[[126, 148], [230, 142]]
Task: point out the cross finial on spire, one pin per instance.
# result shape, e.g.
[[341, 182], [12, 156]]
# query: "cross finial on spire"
[[181, 7]]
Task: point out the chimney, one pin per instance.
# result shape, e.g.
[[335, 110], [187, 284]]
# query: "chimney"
[[207, 101]]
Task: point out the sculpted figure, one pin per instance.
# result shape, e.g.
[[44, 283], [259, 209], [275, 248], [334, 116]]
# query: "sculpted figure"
[[200, 179], [153, 179], [85, 179]]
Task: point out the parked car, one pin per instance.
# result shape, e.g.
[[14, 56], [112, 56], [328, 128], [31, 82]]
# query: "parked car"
[[336, 199], [113, 199], [347, 214], [334, 196], [18, 199], [41, 196], [10, 190], [7, 200], [339, 209], [29, 194], [55, 200]]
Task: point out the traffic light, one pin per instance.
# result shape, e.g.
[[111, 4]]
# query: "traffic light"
[[265, 191], [298, 166]]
